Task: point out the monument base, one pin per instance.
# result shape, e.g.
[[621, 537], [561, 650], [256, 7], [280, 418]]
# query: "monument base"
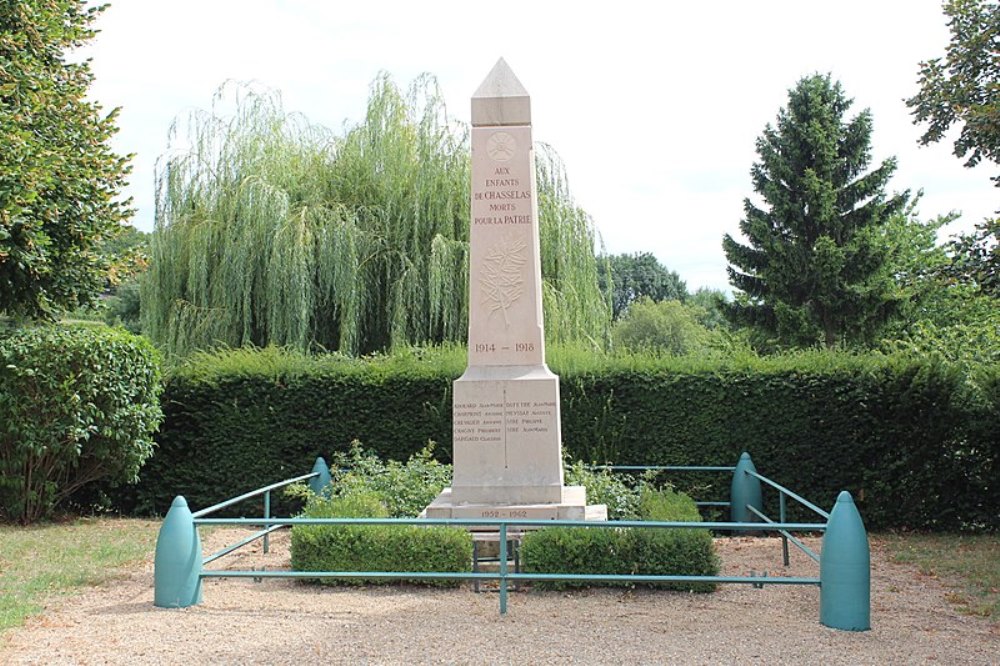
[[572, 507]]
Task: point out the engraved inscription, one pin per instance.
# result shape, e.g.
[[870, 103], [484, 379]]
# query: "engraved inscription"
[[488, 422]]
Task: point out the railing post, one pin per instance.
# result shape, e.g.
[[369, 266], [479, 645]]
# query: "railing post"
[[744, 490], [503, 568], [319, 484], [177, 566], [267, 514], [845, 570], [782, 517]]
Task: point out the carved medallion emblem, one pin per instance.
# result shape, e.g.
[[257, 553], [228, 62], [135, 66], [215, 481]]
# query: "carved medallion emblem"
[[500, 146]]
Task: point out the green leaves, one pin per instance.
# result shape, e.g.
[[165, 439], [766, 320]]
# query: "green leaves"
[[963, 88], [644, 551], [76, 406], [667, 327], [375, 547], [404, 489], [630, 277], [272, 230], [58, 177]]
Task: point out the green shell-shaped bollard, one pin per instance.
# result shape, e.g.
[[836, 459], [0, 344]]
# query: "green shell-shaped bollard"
[[320, 484], [177, 567], [744, 490], [845, 570]]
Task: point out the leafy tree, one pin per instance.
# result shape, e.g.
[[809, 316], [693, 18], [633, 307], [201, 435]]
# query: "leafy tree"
[[272, 230], [634, 276], [953, 321], [815, 269], [124, 307], [58, 176], [946, 311], [963, 88], [975, 259], [668, 327], [711, 307], [128, 257], [127, 254]]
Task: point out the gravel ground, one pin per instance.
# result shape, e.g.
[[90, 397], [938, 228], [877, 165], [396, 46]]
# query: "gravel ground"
[[283, 622]]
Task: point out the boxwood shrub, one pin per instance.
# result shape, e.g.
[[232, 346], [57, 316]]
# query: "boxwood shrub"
[[375, 547], [638, 550]]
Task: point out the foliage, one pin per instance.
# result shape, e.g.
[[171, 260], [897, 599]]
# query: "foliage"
[[631, 277], [56, 559], [608, 488], [667, 327], [949, 308], [124, 307], [272, 230], [375, 547], [242, 418], [404, 488], [639, 550], [964, 88], [58, 176], [709, 308], [127, 253], [975, 259], [953, 321], [76, 406], [919, 430], [815, 269]]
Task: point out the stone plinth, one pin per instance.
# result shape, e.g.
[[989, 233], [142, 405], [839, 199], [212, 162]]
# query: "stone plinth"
[[506, 435], [571, 506]]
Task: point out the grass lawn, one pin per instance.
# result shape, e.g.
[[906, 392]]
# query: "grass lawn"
[[52, 559], [969, 563]]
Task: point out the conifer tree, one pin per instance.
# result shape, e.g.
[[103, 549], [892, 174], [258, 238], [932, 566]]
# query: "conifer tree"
[[816, 268]]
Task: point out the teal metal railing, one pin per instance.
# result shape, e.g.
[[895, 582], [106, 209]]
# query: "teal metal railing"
[[844, 579]]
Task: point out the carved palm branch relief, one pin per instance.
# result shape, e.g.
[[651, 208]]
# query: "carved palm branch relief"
[[501, 279]]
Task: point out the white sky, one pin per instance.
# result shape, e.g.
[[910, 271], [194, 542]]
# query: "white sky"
[[653, 106]]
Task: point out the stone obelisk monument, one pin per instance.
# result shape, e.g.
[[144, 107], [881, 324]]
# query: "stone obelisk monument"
[[506, 426]]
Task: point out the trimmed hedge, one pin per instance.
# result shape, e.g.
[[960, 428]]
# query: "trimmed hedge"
[[635, 551], [241, 419], [78, 406], [915, 440], [375, 547]]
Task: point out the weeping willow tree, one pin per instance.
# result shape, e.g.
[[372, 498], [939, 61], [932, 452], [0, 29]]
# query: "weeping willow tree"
[[272, 230]]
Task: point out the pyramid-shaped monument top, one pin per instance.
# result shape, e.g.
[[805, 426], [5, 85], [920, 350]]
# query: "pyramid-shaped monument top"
[[501, 99]]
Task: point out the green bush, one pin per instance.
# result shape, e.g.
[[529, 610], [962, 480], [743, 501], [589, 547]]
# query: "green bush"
[[646, 551], [609, 488], [77, 406], [375, 547], [404, 488]]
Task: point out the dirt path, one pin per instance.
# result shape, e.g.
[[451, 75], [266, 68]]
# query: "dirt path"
[[283, 622]]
